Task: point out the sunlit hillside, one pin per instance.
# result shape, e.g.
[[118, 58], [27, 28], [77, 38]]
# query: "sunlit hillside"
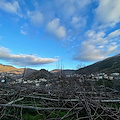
[[11, 69]]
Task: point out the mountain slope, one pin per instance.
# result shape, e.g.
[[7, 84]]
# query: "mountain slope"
[[111, 64], [29, 71], [10, 69], [40, 74]]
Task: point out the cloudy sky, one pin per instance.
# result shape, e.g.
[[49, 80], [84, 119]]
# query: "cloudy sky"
[[45, 33]]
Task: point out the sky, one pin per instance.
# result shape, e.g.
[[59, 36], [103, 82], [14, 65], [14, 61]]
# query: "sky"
[[54, 34]]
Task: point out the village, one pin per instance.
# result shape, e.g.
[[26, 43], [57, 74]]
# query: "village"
[[13, 78]]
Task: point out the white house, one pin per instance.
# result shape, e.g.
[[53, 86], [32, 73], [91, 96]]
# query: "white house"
[[115, 74]]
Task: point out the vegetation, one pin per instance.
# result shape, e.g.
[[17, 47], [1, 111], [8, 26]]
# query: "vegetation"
[[105, 82], [29, 114], [108, 65], [40, 74], [117, 85]]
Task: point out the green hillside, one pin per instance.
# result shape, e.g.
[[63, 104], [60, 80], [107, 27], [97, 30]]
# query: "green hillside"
[[109, 65], [40, 74]]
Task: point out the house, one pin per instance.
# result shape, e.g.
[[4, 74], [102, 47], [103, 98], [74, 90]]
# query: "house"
[[115, 74], [111, 77], [100, 77]]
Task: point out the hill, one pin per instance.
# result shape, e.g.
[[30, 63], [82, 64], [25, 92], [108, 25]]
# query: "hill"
[[109, 65], [29, 71], [10, 69], [40, 74], [55, 71], [59, 72]]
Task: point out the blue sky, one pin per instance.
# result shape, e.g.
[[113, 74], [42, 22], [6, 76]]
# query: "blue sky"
[[43, 33]]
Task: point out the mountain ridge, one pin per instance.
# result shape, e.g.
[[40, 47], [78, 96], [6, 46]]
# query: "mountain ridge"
[[12, 69], [108, 65]]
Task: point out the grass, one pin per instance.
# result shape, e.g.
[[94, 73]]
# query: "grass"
[[31, 117], [114, 105], [43, 115]]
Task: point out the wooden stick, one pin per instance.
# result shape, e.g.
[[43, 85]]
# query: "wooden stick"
[[38, 108]]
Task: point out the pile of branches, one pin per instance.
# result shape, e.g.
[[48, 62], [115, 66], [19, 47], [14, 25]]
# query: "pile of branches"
[[70, 100]]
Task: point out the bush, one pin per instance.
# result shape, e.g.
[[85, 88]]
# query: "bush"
[[105, 82], [117, 85]]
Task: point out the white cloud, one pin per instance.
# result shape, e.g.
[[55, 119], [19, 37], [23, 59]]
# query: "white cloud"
[[98, 46], [108, 12], [78, 22], [71, 8], [36, 18], [22, 59], [23, 32], [111, 48], [10, 7], [55, 29], [24, 29], [114, 34]]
